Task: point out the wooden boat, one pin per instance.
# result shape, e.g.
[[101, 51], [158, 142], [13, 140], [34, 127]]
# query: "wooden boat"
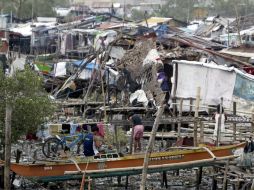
[[106, 164]]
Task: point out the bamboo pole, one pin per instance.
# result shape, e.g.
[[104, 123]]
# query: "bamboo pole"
[[179, 123], [196, 117], [150, 145]]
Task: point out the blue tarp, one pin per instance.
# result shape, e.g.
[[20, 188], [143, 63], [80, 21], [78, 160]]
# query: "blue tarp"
[[244, 88], [161, 29], [90, 65]]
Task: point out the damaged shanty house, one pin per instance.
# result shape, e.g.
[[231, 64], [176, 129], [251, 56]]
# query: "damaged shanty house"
[[213, 27], [125, 66]]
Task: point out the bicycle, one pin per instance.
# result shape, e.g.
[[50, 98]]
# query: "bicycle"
[[53, 146]]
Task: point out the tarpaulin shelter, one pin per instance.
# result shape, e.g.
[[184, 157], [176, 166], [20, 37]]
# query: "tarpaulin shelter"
[[215, 81]]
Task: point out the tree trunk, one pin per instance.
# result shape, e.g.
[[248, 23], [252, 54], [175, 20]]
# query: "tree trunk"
[[8, 115], [150, 146]]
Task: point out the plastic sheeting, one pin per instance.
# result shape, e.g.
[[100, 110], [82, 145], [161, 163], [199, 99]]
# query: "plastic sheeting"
[[60, 69], [152, 58], [140, 95], [244, 87], [215, 82]]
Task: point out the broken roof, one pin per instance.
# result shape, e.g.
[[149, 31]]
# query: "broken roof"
[[26, 29], [153, 21]]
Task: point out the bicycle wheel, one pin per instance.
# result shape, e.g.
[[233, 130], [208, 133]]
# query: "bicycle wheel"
[[52, 147]]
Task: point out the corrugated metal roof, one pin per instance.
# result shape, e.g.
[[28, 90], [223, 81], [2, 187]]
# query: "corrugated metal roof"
[[153, 21]]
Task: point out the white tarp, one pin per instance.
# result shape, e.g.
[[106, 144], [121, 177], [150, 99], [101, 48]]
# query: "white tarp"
[[60, 69], [117, 52], [152, 57], [215, 82], [85, 74], [140, 95]]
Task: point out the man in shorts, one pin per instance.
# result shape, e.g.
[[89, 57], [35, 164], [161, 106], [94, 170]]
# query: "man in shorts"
[[138, 130]]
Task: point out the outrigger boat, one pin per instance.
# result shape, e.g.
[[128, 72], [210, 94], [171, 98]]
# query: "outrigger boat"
[[113, 164]]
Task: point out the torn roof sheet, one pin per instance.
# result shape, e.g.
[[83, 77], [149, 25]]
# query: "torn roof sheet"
[[153, 21], [26, 29]]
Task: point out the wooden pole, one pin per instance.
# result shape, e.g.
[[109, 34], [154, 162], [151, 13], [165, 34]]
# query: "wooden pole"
[[1, 177], [164, 179], [116, 138], [191, 103], [225, 176], [214, 180], [7, 154], [179, 123], [219, 124], [200, 172], [89, 183], [131, 140], [103, 92], [150, 145], [252, 185], [196, 117], [252, 122], [234, 124], [201, 132], [127, 182]]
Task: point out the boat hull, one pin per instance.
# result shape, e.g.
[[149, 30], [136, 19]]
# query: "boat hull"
[[127, 163]]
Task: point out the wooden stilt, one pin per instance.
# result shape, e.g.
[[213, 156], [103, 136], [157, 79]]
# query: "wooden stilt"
[[179, 123], [1, 177], [219, 124], [252, 122], [127, 182], [89, 183], [191, 103], [201, 132], [116, 139], [214, 183], [131, 140], [225, 176], [234, 124], [165, 180], [199, 180], [119, 180], [65, 185], [196, 117]]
